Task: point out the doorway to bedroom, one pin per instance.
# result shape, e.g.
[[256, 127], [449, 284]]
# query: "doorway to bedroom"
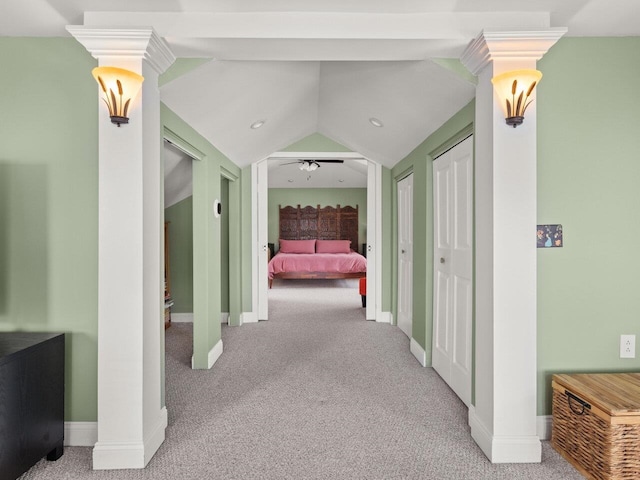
[[326, 196]]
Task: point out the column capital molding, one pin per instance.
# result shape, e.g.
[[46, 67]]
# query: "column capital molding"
[[143, 43], [493, 45]]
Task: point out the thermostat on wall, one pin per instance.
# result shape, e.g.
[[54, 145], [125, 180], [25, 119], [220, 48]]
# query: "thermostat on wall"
[[217, 208]]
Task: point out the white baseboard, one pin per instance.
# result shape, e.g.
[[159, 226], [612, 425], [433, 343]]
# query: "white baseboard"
[[248, 317], [156, 435], [384, 317], [80, 434], [182, 317], [122, 455], [479, 432], [188, 317], [115, 456], [504, 449], [544, 424], [214, 355], [418, 352]]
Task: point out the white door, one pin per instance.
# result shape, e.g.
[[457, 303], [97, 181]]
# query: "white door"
[[453, 256], [405, 254]]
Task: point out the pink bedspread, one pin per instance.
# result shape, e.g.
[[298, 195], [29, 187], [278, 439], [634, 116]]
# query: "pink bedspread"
[[317, 262]]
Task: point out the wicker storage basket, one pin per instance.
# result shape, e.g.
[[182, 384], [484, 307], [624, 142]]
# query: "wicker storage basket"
[[596, 424]]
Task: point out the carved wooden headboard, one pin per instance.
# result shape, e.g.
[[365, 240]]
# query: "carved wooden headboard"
[[327, 223]]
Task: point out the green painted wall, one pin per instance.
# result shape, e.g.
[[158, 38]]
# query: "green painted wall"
[[49, 203], [207, 231], [587, 120], [246, 266], [316, 142], [588, 181], [419, 162], [180, 218], [318, 196]]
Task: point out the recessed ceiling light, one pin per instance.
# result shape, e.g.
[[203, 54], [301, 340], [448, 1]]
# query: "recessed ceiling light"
[[341, 180], [375, 122], [257, 124], [290, 181]]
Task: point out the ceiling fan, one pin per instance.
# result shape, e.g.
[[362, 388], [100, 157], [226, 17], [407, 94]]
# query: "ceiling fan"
[[311, 165]]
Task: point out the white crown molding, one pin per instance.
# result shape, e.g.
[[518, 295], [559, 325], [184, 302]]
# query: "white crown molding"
[[142, 43], [493, 45]]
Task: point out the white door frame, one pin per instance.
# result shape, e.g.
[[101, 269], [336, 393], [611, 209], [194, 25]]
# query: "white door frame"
[[259, 178]]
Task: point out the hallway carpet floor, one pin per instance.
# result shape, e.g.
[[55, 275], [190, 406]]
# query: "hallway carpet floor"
[[315, 392]]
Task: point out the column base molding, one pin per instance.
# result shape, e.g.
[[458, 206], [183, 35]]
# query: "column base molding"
[[123, 455], [504, 448]]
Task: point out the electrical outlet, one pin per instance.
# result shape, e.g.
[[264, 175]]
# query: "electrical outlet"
[[627, 346]]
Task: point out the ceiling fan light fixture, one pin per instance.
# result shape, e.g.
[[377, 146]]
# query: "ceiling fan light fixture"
[[308, 165]]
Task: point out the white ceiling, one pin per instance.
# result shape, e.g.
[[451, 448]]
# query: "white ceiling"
[[286, 173], [326, 66], [178, 175]]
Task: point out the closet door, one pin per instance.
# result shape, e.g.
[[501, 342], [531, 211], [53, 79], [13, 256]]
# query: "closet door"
[[405, 254], [453, 267]]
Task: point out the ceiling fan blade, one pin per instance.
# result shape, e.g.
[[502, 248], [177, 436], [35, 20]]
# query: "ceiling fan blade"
[[330, 161], [290, 163]]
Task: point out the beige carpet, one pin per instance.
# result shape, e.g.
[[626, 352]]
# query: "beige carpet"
[[316, 392]]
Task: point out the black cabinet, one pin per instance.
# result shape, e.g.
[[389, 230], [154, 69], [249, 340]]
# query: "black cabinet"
[[31, 400]]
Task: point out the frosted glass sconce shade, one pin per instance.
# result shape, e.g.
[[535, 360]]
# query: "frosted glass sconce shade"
[[514, 89], [119, 87]]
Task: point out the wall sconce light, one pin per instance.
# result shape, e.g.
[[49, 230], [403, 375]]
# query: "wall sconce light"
[[510, 88], [119, 86]]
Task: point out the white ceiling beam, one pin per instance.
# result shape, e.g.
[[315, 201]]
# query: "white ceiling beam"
[[320, 25], [316, 50]]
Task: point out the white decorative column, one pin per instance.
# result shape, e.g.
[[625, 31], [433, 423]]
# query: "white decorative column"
[[131, 420], [503, 418]]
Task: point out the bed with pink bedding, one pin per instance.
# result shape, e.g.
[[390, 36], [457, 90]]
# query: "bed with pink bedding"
[[316, 259]]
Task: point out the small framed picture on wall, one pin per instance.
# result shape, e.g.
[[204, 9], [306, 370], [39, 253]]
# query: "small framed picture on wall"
[[549, 236]]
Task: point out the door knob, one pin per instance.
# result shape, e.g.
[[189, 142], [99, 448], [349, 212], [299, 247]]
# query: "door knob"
[[441, 259], [402, 251]]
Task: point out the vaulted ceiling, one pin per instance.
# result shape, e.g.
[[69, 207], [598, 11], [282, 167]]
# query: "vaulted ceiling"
[[327, 66]]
